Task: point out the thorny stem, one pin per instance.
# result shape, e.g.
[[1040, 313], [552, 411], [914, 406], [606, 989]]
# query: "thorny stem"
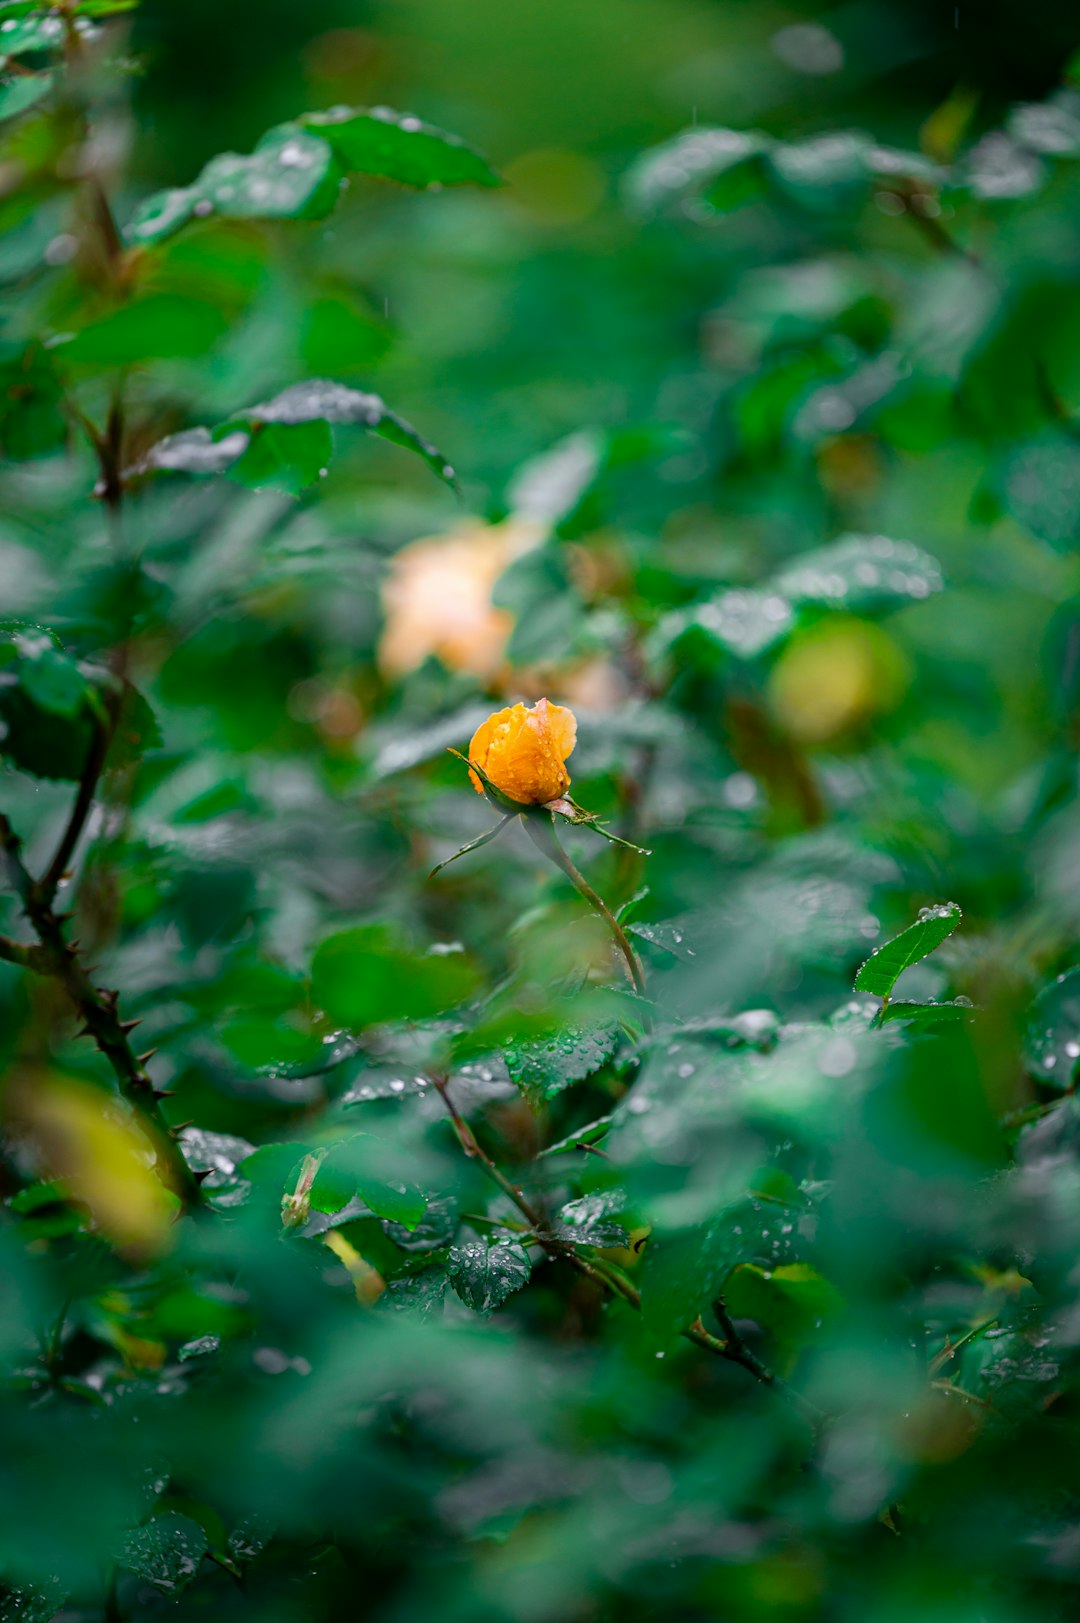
[[732, 1348], [97, 1008], [543, 835]]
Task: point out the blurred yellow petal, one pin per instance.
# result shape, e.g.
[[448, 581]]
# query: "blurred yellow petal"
[[107, 1159], [437, 600]]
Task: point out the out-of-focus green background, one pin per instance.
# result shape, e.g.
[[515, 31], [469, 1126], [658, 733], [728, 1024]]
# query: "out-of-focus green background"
[[760, 375]]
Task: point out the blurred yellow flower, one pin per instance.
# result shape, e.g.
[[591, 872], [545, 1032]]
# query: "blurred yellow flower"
[[523, 751], [438, 598], [107, 1160], [836, 676]]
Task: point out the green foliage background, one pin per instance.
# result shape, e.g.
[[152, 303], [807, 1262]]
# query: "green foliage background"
[[405, 1259]]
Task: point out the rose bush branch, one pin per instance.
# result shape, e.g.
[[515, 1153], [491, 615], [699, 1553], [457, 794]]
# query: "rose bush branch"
[[97, 1008]]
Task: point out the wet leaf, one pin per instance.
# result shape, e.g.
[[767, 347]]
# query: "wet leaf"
[[423, 1293], [38, 30], [861, 572], [1052, 1037], [292, 174], [671, 938], [165, 1552], [590, 1220], [887, 963], [484, 1274], [928, 1014], [544, 1067], [724, 167], [396, 146], [19, 94], [793, 1302]]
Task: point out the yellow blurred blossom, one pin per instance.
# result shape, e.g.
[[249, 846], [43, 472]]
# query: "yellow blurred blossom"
[[107, 1160], [523, 751], [438, 598], [835, 676]]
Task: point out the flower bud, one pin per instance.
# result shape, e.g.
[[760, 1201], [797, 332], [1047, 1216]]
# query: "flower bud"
[[523, 752]]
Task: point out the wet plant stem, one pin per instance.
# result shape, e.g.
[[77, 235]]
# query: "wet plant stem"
[[542, 833]]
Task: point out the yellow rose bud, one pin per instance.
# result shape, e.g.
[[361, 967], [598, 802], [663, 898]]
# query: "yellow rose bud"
[[523, 751]]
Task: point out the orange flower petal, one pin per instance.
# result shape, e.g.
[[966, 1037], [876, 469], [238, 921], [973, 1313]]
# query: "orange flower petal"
[[523, 751]]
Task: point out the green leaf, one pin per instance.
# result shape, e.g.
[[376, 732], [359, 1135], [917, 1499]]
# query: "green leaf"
[[1051, 127], [32, 420], [433, 1231], [48, 707], [51, 705], [591, 1133], [423, 1294], [165, 1552], [589, 1220], [37, 1195], [195, 450], [158, 327], [250, 1537], [396, 1203], [36, 31], [670, 938], [32, 1604], [887, 963], [345, 1174], [484, 1274], [825, 172], [206, 1151], [1039, 483], [54, 682], [297, 170], [928, 1014], [546, 1066], [285, 443], [744, 622], [364, 977], [685, 1269], [1052, 1033], [284, 458], [726, 168], [396, 146], [320, 399], [19, 94], [292, 174], [792, 1302], [861, 572]]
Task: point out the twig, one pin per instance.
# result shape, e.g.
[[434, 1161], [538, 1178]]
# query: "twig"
[[96, 1007], [92, 770], [27, 957]]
